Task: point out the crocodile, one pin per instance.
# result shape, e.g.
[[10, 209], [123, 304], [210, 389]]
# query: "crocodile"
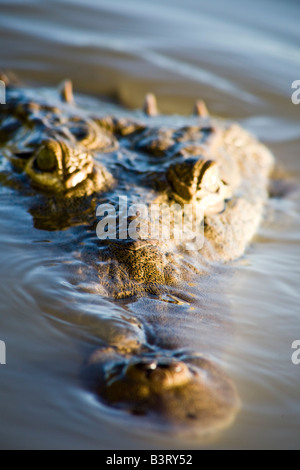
[[93, 157]]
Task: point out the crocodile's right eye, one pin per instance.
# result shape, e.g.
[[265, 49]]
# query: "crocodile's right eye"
[[46, 159]]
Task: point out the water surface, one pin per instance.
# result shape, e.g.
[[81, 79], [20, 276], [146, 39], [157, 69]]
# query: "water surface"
[[242, 59]]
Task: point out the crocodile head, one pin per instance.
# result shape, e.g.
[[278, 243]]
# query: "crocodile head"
[[60, 167], [185, 392]]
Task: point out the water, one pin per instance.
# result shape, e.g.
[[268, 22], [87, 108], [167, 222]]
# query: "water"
[[242, 60]]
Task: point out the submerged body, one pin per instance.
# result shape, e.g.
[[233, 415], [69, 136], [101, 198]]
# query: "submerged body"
[[76, 160]]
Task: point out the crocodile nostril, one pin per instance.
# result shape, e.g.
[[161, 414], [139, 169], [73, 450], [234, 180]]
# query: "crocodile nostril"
[[171, 367], [164, 366], [146, 366], [191, 416]]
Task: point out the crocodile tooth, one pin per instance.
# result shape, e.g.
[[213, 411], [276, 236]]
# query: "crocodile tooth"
[[66, 92], [150, 105], [200, 109]]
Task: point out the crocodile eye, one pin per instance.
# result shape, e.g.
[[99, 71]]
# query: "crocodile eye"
[[46, 159], [146, 366], [192, 175], [210, 179]]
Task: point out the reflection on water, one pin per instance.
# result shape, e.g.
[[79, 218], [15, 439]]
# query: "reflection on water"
[[242, 61]]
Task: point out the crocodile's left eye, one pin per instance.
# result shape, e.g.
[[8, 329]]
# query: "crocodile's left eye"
[[209, 180], [46, 159], [193, 175]]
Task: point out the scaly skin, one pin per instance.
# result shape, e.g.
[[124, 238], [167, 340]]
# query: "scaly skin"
[[216, 167], [232, 200]]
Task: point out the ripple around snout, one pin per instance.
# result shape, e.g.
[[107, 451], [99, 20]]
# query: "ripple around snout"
[[187, 394]]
